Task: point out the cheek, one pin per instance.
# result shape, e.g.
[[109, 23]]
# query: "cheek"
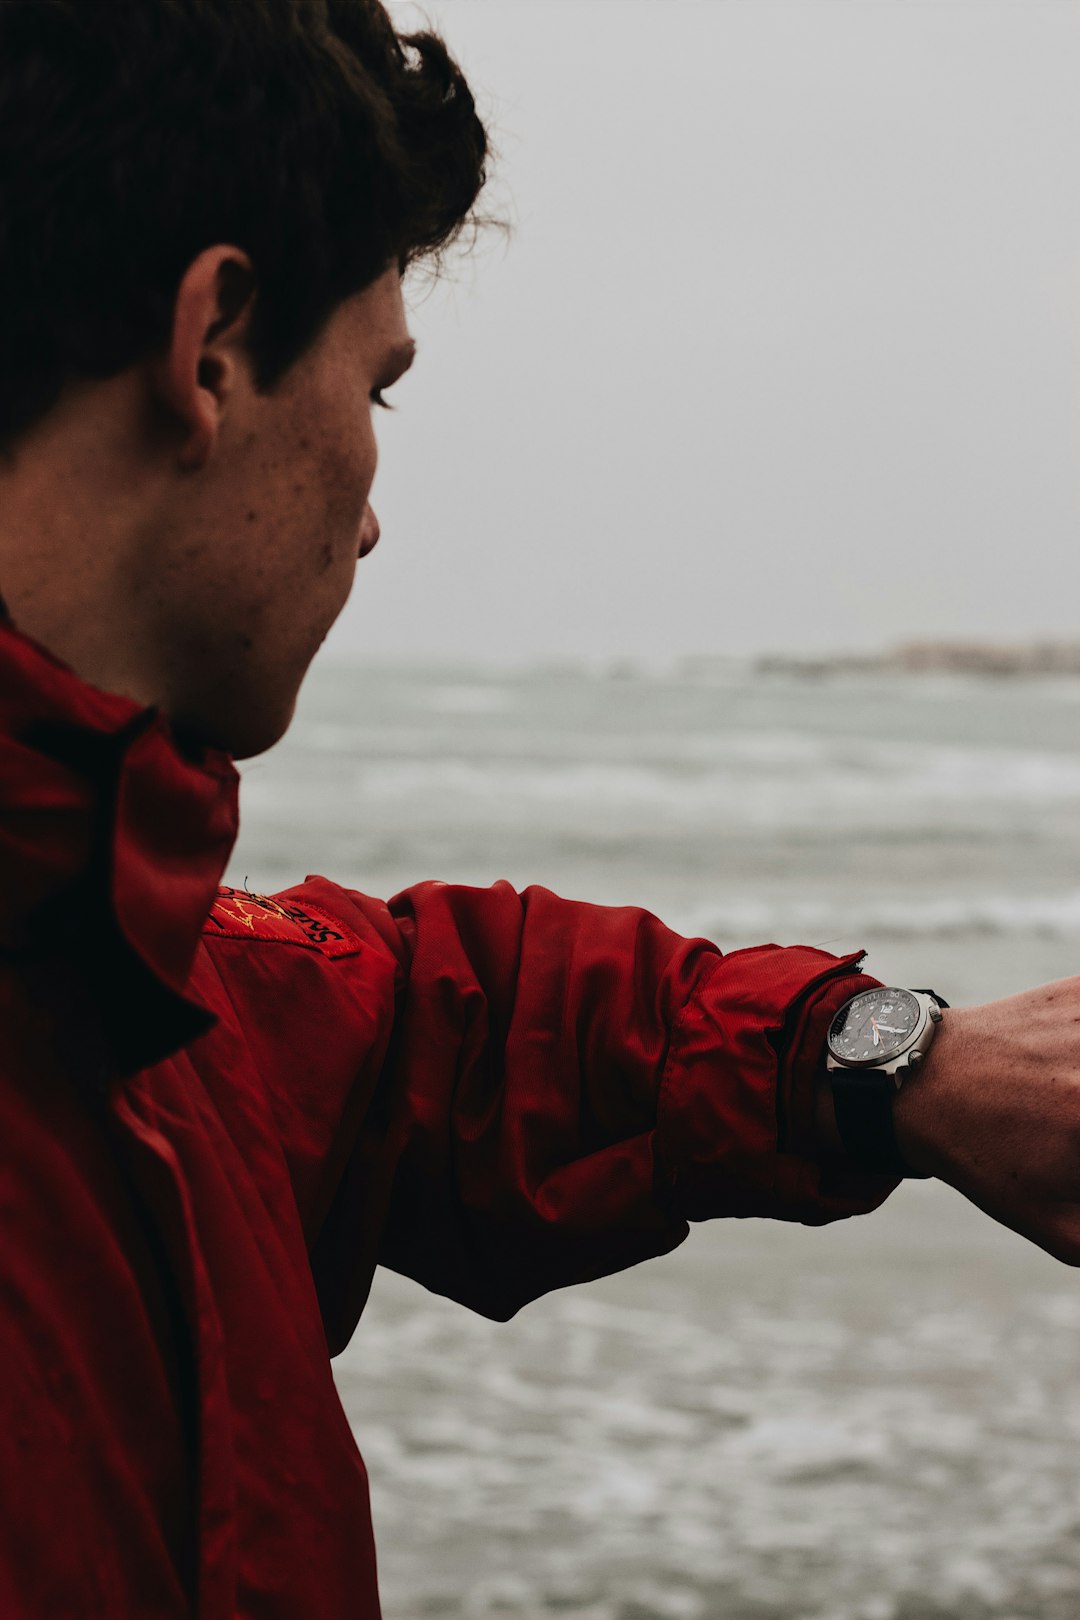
[[346, 473]]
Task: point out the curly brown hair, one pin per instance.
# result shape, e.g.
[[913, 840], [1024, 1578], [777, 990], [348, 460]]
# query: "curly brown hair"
[[134, 133]]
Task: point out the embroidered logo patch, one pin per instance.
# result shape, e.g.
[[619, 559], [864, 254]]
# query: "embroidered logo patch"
[[238, 914]]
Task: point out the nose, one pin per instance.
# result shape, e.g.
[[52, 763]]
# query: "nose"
[[369, 531]]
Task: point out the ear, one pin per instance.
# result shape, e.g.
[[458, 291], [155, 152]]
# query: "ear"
[[206, 358]]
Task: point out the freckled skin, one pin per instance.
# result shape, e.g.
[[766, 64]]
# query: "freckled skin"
[[213, 531]]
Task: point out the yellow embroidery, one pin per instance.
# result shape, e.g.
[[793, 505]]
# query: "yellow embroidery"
[[248, 907], [257, 916]]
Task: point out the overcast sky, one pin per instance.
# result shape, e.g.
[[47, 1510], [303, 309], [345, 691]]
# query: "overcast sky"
[[784, 352]]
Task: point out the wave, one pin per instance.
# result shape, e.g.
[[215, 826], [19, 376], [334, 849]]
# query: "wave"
[[810, 921], [761, 783]]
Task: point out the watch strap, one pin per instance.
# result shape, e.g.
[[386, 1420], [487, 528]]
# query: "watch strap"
[[862, 1103]]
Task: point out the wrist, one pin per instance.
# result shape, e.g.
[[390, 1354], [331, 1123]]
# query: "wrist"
[[919, 1105], [878, 1047]]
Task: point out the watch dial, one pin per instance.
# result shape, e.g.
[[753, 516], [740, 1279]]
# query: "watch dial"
[[876, 1026]]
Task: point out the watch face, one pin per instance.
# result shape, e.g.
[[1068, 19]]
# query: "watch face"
[[874, 1027]]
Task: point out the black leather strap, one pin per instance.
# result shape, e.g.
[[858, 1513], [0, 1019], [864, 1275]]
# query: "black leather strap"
[[862, 1102]]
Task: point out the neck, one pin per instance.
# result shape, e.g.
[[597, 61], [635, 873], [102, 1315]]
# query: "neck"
[[72, 521]]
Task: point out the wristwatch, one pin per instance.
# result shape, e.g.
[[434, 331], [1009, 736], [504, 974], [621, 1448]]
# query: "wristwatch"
[[877, 1040]]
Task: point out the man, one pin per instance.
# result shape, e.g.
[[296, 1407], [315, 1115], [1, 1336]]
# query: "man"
[[219, 1112]]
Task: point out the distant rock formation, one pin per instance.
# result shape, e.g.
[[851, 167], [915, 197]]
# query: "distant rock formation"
[[935, 658]]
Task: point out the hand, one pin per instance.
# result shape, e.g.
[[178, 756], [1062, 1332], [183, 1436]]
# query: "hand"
[[995, 1111]]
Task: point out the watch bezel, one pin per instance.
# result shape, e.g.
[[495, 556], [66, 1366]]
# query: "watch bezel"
[[883, 1059]]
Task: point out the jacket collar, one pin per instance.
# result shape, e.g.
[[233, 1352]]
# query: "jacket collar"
[[113, 841]]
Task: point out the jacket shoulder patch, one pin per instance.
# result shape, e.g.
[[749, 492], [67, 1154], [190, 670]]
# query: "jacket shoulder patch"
[[238, 914]]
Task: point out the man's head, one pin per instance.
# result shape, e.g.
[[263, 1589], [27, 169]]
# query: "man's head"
[[204, 217]]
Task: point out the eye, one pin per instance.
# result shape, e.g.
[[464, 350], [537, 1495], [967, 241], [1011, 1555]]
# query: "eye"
[[377, 398]]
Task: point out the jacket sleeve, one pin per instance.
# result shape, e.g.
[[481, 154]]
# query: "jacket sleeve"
[[516, 1092]]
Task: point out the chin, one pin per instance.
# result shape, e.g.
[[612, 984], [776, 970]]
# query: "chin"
[[239, 694], [247, 740], [240, 729]]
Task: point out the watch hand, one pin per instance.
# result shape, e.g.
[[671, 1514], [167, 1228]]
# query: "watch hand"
[[889, 1030], [877, 1037]]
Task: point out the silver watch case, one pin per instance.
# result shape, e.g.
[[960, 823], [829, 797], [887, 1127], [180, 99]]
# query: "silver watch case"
[[906, 1061]]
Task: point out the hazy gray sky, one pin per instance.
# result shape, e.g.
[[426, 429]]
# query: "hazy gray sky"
[[784, 351]]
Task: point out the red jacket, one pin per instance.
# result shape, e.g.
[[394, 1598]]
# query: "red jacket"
[[219, 1113]]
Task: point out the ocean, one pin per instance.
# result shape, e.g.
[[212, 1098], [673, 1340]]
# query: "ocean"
[[873, 1421]]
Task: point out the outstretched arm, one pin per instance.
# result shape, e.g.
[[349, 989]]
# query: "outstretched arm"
[[501, 1093], [572, 1083]]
